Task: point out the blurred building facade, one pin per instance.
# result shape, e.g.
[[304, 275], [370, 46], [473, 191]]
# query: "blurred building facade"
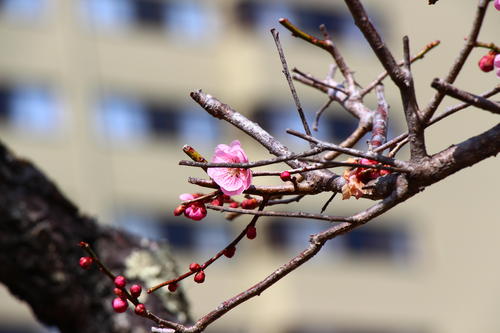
[[96, 93]]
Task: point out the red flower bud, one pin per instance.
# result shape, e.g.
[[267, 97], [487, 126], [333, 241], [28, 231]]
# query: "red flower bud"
[[135, 290], [172, 286], [120, 305], [251, 232], [285, 176], [86, 262], [234, 204], [140, 309], [179, 210], [230, 251], [120, 281], [194, 267], [120, 293], [249, 203], [217, 201], [486, 62], [199, 277]]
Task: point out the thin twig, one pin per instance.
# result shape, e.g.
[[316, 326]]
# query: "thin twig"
[[379, 127], [353, 152], [286, 72], [254, 164], [490, 46], [465, 96], [225, 112], [455, 69], [330, 164], [219, 254], [447, 113], [326, 45], [383, 75], [320, 112], [328, 202], [300, 215]]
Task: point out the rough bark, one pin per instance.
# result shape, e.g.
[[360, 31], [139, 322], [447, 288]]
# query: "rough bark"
[[39, 234]]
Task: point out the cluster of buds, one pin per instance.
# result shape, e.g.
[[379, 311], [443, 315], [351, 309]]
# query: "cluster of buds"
[[357, 178], [194, 210], [120, 303], [489, 62]]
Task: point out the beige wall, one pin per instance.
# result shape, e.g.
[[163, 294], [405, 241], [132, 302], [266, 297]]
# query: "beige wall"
[[449, 283]]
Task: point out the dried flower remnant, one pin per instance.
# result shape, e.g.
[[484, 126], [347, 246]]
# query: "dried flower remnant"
[[357, 178], [232, 181]]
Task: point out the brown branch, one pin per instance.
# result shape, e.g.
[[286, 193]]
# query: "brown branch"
[[489, 46], [254, 164], [286, 72], [383, 75], [320, 112], [416, 128], [379, 128], [457, 157], [300, 215], [377, 44], [465, 96], [437, 118], [455, 69], [326, 45], [353, 152], [223, 111]]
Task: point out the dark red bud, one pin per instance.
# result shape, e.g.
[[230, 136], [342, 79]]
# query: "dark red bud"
[[86, 262], [120, 305], [251, 232], [285, 176], [249, 203], [194, 267], [486, 63], [120, 281], [135, 290], [140, 309], [199, 277], [230, 251], [172, 286]]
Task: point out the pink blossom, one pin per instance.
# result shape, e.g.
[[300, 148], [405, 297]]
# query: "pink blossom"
[[497, 4], [232, 181], [496, 62], [196, 210]]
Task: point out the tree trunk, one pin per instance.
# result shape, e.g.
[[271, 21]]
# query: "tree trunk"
[[39, 234]]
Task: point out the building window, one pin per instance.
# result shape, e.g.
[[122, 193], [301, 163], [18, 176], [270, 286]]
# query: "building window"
[[127, 119], [122, 119], [191, 20], [390, 242], [182, 19], [263, 15], [30, 108], [108, 14], [379, 241], [181, 233], [149, 13], [25, 10]]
